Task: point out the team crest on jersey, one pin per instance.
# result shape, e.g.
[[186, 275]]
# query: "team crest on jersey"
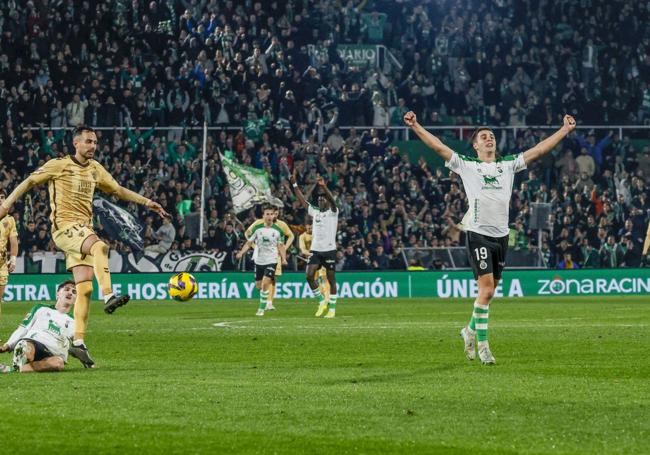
[[482, 265], [94, 174], [491, 183]]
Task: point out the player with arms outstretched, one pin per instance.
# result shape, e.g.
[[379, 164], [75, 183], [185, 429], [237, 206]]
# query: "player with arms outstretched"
[[8, 238], [72, 181], [325, 219], [488, 184], [41, 341], [289, 237], [269, 241]]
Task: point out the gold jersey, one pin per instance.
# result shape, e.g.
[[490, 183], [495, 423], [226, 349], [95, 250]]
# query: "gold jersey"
[[7, 230], [304, 242], [72, 186]]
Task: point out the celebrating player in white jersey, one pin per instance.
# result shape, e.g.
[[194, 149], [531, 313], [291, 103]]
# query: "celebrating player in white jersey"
[[269, 240], [41, 341], [488, 184], [323, 246]]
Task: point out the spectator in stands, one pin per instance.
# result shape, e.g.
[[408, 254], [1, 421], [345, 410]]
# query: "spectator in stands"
[[165, 236], [380, 260], [567, 262], [611, 253], [586, 163]]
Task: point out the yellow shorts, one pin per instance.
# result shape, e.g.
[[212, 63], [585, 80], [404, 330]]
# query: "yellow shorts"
[[4, 275], [69, 239], [322, 272], [278, 268]]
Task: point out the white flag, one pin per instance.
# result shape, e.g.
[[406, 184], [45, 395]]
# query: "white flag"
[[249, 186]]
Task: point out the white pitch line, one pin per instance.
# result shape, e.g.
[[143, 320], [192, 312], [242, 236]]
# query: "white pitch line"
[[225, 324], [327, 326]]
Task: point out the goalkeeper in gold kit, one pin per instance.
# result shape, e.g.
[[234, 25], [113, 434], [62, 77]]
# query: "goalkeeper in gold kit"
[[72, 181]]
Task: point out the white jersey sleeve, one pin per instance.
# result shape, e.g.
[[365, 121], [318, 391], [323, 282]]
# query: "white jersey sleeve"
[[455, 163]]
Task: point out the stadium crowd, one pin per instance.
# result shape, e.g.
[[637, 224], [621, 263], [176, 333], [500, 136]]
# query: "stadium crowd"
[[269, 76]]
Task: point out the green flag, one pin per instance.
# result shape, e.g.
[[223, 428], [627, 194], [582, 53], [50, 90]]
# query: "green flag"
[[248, 186]]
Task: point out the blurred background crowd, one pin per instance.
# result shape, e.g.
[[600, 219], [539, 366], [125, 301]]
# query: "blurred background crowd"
[[268, 76]]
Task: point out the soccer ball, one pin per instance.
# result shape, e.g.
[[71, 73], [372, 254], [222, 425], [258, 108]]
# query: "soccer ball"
[[183, 287]]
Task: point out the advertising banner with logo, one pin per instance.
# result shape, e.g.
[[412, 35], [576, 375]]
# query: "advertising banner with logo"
[[232, 285]]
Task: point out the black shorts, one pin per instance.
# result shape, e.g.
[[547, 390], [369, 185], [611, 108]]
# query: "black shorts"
[[487, 254], [267, 270], [40, 350], [325, 259]]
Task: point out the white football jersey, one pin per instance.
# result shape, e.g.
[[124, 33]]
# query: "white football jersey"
[[266, 240], [324, 227], [488, 187], [48, 326]]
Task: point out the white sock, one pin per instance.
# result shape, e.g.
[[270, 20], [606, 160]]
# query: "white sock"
[[78, 342], [107, 297]]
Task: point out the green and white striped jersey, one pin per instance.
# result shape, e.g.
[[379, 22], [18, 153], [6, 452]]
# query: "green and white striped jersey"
[[48, 326], [488, 187]]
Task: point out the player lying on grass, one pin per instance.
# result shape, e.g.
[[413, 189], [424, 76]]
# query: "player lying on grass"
[[488, 181], [41, 341], [269, 240]]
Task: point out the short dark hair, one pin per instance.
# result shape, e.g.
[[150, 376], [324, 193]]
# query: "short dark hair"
[[78, 131], [478, 130], [64, 284], [266, 207], [3, 192]]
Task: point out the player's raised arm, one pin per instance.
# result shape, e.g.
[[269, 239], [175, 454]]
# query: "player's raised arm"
[[326, 192], [296, 189], [550, 142], [429, 139]]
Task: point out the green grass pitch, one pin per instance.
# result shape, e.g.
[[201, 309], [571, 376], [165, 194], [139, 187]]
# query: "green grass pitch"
[[573, 376]]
